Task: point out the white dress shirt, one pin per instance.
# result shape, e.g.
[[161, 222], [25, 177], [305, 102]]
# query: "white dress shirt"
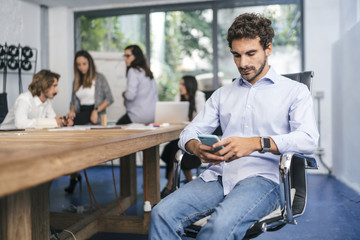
[[28, 112], [274, 106]]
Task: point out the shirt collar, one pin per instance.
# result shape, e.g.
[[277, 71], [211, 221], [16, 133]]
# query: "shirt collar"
[[38, 102], [270, 77]]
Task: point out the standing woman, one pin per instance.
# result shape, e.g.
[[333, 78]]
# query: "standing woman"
[[90, 97], [141, 92], [187, 92], [91, 92]]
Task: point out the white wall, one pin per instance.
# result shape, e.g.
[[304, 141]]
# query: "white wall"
[[321, 24], [19, 24], [346, 100], [61, 54], [332, 37]]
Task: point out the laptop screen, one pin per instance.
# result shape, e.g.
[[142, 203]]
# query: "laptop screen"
[[171, 112]]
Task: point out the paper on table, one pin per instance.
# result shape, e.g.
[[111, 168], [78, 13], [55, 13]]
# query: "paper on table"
[[138, 126], [72, 128]]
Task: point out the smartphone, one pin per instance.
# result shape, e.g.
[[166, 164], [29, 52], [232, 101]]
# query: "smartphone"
[[210, 140]]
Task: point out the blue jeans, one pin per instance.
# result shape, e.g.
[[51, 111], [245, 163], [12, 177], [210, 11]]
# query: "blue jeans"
[[231, 215]]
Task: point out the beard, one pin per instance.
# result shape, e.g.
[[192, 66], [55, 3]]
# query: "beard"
[[49, 96], [257, 72]]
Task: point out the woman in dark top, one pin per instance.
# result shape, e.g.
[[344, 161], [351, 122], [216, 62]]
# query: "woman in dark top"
[[187, 92]]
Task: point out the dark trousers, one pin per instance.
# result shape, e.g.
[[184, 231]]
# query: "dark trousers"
[[125, 119], [83, 117], [188, 161]]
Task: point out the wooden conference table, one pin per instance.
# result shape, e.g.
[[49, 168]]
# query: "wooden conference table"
[[29, 162]]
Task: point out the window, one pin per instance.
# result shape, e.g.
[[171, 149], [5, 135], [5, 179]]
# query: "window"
[[286, 54], [112, 34], [181, 44], [187, 38]]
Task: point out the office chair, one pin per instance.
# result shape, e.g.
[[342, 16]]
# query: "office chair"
[[292, 170]]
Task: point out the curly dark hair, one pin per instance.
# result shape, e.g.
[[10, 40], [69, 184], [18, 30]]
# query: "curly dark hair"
[[251, 25], [42, 81]]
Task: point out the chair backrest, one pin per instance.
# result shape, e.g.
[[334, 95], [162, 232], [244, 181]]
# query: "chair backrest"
[[303, 77], [208, 93]]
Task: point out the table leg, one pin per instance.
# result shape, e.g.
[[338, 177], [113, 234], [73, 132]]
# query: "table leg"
[[25, 214], [151, 171], [40, 211], [128, 177]]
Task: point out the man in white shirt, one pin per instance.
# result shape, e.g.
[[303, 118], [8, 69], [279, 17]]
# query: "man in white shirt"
[[262, 115], [33, 109]]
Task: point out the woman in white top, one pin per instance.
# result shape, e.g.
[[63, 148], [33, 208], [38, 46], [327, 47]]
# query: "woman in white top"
[[141, 92], [187, 92], [91, 92], [90, 97]]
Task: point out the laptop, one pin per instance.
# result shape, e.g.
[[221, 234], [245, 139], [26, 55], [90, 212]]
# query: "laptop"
[[171, 112]]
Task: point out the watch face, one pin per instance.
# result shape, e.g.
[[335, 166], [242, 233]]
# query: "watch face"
[[267, 143]]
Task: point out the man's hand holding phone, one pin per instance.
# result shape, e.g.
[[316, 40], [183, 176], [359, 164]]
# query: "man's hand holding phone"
[[210, 140], [227, 149], [207, 151]]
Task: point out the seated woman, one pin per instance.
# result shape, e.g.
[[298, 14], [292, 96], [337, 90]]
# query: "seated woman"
[[187, 92], [90, 97]]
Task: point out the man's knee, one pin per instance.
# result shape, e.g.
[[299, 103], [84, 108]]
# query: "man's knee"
[[156, 214], [160, 213]]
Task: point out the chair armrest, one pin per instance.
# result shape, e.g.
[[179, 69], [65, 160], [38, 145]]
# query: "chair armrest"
[[284, 167], [287, 173], [177, 168], [285, 161]]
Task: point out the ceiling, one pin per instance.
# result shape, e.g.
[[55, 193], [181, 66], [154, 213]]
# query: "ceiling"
[[95, 4]]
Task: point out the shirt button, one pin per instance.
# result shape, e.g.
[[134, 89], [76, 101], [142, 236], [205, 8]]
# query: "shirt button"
[[246, 126]]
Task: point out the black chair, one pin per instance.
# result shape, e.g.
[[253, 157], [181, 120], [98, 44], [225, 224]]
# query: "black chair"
[[292, 169]]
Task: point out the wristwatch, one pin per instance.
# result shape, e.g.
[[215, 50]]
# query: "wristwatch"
[[265, 144], [96, 109]]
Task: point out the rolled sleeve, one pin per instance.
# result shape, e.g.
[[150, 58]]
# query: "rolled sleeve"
[[303, 136]]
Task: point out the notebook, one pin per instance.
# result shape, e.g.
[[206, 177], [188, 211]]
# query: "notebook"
[[171, 112]]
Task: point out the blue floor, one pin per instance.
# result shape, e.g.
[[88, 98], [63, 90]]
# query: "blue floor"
[[333, 209]]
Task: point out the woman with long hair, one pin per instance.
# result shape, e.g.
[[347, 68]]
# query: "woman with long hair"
[[91, 92], [141, 92], [187, 92], [91, 96]]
